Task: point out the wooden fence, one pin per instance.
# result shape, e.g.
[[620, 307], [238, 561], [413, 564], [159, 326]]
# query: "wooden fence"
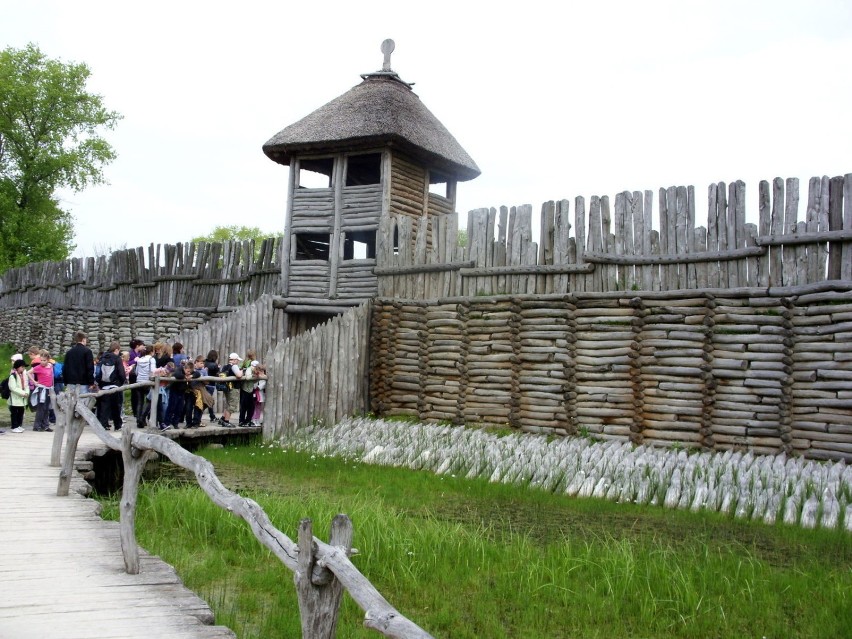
[[322, 571], [613, 256], [217, 275], [319, 375], [764, 370], [258, 325], [615, 248]]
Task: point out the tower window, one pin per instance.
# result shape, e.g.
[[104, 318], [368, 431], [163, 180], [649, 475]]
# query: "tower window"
[[364, 169], [312, 246], [359, 245], [315, 173], [438, 184]]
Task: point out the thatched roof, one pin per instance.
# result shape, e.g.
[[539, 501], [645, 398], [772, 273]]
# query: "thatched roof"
[[381, 110]]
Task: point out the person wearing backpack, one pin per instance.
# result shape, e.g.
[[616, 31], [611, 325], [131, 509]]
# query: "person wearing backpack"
[[19, 391], [247, 390], [111, 376], [58, 379], [211, 364]]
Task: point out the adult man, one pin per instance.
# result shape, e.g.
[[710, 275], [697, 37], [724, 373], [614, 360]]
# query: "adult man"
[[79, 366], [111, 376]]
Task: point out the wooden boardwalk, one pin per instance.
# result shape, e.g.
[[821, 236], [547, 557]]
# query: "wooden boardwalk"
[[61, 569]]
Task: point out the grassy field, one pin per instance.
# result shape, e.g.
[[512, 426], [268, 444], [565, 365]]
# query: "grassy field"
[[469, 559]]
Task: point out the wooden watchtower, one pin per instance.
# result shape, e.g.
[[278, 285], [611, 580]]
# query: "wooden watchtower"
[[373, 153]]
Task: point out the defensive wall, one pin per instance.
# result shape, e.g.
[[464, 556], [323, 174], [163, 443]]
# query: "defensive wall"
[[149, 294], [729, 335]]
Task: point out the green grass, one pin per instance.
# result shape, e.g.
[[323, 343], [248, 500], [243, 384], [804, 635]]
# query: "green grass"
[[468, 559]]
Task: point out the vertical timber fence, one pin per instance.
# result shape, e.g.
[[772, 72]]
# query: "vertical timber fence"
[[148, 294], [615, 248]]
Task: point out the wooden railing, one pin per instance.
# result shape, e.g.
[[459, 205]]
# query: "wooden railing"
[[322, 570]]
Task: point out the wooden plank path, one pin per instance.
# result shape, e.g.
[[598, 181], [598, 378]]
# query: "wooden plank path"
[[61, 568]]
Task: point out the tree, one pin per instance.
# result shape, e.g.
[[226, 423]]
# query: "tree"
[[49, 139], [234, 232]]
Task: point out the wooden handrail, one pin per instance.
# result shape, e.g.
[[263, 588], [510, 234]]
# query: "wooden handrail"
[[310, 559]]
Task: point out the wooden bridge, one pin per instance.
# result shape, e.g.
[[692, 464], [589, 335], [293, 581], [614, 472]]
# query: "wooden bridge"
[[61, 570]]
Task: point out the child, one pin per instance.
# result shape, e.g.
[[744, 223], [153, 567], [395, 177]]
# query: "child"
[[41, 381], [211, 365], [195, 392], [128, 371], [259, 394], [176, 410], [19, 391], [166, 370]]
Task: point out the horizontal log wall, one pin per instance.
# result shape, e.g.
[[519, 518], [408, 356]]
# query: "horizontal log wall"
[[408, 188], [54, 329], [720, 370], [614, 247]]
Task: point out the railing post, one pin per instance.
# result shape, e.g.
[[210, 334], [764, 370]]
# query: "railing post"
[[155, 399], [318, 591], [134, 463], [60, 409], [75, 429]]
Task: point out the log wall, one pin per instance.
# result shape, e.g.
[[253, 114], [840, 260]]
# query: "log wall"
[[769, 370], [725, 336], [408, 188], [54, 328], [136, 293]]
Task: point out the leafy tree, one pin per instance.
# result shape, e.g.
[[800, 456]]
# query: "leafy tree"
[[49, 139], [234, 232]]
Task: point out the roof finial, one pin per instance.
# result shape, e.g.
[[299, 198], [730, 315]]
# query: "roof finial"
[[386, 73], [387, 48]]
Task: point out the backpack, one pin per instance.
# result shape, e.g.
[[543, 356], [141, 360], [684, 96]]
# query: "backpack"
[[108, 374], [5, 393]]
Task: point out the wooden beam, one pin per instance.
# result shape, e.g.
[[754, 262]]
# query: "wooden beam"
[[810, 238], [426, 268], [715, 256]]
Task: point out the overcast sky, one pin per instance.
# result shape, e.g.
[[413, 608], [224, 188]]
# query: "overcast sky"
[[552, 100]]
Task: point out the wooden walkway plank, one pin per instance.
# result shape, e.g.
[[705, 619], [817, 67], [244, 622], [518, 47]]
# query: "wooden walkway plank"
[[61, 568]]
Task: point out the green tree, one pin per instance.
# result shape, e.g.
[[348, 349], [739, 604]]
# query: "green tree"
[[49, 139], [234, 232]]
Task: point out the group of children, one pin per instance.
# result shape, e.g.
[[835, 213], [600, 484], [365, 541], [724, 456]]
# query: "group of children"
[[184, 400], [181, 401], [30, 386]]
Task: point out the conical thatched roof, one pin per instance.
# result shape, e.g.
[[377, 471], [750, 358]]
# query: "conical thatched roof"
[[382, 109]]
